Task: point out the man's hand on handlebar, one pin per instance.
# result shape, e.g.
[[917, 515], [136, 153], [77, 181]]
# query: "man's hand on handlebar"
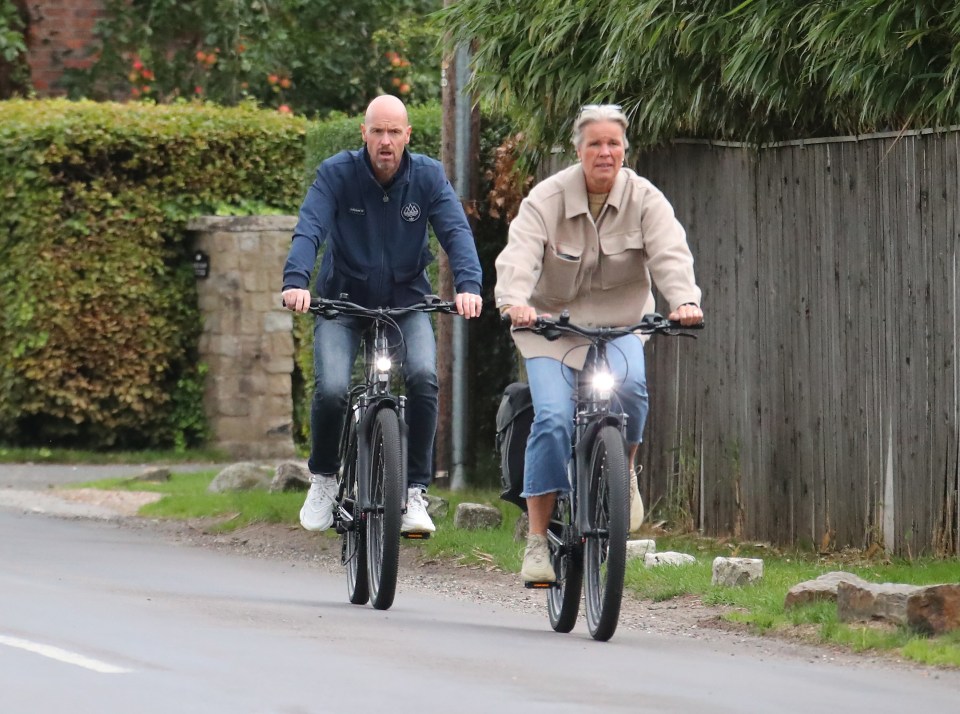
[[469, 305], [296, 299], [687, 315]]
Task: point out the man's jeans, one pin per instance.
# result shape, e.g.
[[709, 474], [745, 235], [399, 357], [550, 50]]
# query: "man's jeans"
[[335, 346], [551, 387]]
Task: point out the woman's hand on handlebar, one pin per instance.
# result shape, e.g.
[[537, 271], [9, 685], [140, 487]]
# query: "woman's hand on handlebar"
[[687, 315], [521, 315], [296, 299], [468, 305]]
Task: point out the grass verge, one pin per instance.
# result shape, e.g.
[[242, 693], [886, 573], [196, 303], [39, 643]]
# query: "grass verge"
[[758, 606]]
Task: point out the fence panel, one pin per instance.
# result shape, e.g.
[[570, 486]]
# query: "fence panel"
[[821, 405]]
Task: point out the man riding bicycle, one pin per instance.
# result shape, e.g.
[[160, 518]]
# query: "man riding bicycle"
[[587, 240], [371, 207]]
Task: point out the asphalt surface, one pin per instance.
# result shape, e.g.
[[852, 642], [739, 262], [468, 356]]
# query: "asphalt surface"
[[41, 476], [96, 617], [28, 487]]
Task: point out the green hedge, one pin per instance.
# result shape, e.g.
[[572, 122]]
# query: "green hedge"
[[98, 314]]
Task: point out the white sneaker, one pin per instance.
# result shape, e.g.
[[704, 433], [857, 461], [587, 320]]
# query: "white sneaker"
[[636, 503], [317, 511], [537, 567], [416, 519]]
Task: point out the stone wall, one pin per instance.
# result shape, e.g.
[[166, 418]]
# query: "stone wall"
[[247, 336]]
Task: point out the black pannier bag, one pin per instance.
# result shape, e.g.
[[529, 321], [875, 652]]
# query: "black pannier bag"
[[514, 418]]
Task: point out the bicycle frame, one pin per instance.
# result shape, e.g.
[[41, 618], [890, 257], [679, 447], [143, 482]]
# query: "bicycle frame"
[[373, 455], [375, 395], [592, 412], [589, 526]]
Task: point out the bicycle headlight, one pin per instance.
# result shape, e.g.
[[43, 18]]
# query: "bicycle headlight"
[[383, 363], [603, 382]]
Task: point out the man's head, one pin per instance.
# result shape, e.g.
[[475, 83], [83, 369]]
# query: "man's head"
[[385, 131]]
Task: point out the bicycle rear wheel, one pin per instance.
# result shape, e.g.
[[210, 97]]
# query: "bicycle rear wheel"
[[383, 521], [353, 544], [563, 601], [605, 546]]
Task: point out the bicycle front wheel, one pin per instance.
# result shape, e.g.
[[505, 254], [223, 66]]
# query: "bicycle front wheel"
[[563, 601], [386, 500], [353, 544], [605, 545]]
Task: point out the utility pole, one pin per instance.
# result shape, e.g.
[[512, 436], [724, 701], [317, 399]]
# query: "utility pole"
[[445, 326], [452, 348]]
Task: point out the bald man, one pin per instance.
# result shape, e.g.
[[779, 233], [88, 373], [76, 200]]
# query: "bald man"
[[371, 208]]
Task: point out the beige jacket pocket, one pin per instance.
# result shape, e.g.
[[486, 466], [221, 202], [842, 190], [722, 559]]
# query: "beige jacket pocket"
[[621, 258], [559, 277]]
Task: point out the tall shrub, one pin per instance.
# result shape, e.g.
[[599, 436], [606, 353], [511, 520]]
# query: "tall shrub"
[[98, 312], [306, 56], [727, 69]]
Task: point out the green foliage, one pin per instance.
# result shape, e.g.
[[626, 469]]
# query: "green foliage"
[[756, 70], [14, 71], [308, 56], [12, 42], [98, 313]]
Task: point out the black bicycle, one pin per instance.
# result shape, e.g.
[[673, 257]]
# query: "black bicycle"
[[372, 483], [588, 530]]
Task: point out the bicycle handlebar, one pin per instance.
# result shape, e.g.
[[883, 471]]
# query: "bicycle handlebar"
[[329, 309], [653, 323]]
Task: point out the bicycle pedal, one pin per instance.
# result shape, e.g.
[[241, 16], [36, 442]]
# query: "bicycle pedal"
[[415, 535], [540, 586]]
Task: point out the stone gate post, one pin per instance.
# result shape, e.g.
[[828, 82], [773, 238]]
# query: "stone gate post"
[[247, 338]]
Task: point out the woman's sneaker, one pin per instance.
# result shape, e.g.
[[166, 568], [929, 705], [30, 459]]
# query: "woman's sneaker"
[[415, 518], [636, 503], [537, 567], [317, 511]]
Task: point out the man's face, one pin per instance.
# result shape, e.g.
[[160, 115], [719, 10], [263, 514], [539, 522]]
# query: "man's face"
[[386, 134]]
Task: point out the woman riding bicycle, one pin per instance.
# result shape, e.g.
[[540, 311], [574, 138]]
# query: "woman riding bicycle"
[[587, 240]]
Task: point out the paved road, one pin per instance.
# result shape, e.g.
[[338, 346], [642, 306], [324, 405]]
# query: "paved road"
[[97, 616]]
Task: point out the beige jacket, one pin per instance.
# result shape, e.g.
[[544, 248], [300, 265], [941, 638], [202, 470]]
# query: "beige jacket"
[[557, 258]]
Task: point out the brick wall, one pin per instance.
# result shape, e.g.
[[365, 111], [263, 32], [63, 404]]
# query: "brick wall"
[[59, 35]]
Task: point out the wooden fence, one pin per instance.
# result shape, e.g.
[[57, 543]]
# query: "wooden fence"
[[820, 406]]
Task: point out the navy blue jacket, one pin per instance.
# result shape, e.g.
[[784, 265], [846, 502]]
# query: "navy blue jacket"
[[377, 248]]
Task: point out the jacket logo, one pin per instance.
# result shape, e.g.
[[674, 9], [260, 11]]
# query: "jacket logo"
[[410, 213], [357, 211]]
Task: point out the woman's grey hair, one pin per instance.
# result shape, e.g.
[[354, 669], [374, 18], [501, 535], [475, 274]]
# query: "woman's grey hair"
[[591, 113]]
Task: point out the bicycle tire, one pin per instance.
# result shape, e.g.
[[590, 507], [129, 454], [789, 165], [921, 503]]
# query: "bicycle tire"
[[605, 544], [353, 544], [383, 521], [563, 601]]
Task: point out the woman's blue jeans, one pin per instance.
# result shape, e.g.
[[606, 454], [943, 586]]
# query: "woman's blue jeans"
[[551, 387], [335, 346]]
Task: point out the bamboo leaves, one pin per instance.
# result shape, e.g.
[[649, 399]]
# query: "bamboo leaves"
[[732, 69]]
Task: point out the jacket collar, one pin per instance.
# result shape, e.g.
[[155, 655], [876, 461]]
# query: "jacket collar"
[[575, 190], [401, 177]]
